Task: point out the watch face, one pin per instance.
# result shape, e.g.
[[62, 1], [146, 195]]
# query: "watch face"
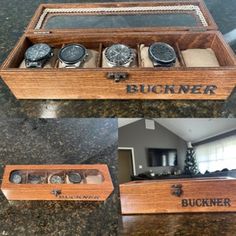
[[35, 179], [74, 177], [162, 53], [56, 179], [15, 178], [73, 53], [38, 52], [119, 54]]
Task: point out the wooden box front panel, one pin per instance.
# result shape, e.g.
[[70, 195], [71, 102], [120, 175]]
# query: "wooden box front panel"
[[206, 195], [141, 83], [83, 191]]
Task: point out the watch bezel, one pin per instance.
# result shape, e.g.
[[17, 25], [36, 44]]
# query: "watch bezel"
[[12, 176], [56, 175], [46, 56], [128, 60], [158, 60], [60, 56], [74, 173]]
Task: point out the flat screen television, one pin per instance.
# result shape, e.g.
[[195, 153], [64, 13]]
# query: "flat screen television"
[[161, 157]]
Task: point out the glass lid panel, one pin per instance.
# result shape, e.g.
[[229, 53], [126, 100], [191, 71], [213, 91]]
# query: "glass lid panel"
[[122, 17]]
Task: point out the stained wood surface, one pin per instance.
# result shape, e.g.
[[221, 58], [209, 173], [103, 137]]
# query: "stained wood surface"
[[81, 192], [148, 197]]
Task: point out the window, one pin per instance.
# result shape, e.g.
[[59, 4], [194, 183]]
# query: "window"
[[217, 155]]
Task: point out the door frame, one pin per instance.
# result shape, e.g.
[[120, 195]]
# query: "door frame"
[[132, 156]]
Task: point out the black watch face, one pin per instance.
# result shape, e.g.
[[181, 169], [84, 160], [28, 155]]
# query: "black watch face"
[[74, 177], [119, 54], [162, 53], [56, 179], [16, 178], [72, 53], [38, 52], [35, 179]]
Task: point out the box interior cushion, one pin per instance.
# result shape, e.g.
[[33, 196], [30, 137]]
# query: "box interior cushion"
[[200, 58]]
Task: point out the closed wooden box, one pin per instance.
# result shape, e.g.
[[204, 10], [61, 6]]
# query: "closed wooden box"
[[36, 183], [178, 195], [183, 25]]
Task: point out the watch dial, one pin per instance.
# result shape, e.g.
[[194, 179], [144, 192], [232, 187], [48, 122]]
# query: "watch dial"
[[74, 177], [72, 53], [16, 178], [162, 52], [34, 179], [118, 54], [38, 52], [56, 179]]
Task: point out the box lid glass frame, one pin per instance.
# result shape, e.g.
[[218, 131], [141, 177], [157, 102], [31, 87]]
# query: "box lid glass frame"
[[122, 17]]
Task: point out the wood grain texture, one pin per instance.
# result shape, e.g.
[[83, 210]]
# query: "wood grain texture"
[[144, 197], [79, 192], [93, 83]]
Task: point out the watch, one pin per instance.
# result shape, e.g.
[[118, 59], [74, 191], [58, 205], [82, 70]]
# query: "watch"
[[119, 55], [162, 55], [74, 177], [16, 178], [72, 55], [37, 55], [35, 179], [56, 179]]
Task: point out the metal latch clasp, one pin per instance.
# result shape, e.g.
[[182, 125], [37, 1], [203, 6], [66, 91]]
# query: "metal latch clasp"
[[176, 190], [56, 192], [117, 76]]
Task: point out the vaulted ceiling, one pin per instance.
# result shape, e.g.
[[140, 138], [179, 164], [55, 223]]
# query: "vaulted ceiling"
[[191, 129]]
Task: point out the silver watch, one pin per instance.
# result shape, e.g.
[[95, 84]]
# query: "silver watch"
[[72, 55], [119, 55], [16, 177], [56, 179]]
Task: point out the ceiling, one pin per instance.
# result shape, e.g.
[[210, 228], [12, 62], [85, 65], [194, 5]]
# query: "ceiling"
[[125, 121], [191, 129]]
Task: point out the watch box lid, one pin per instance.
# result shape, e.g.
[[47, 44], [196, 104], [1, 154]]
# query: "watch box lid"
[[122, 17]]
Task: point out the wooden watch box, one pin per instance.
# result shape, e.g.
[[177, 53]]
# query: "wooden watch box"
[[57, 182], [178, 195], [183, 24]]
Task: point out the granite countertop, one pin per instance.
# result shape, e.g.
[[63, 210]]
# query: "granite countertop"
[[66, 141], [15, 16]]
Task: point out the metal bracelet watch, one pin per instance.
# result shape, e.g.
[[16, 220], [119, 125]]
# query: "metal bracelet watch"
[[119, 55], [37, 55], [162, 55], [72, 55]]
